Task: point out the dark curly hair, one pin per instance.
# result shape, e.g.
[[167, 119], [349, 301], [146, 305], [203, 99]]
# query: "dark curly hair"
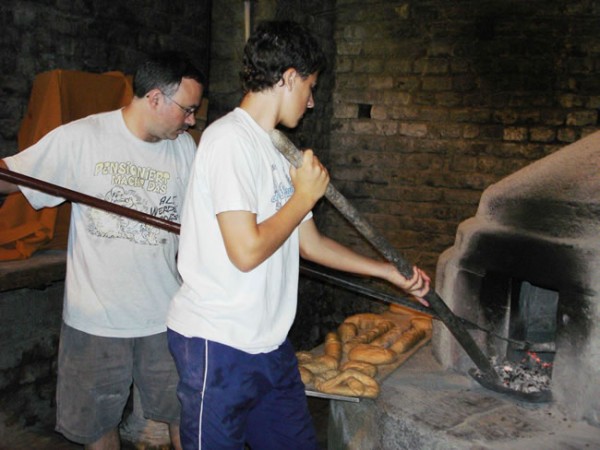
[[276, 46], [165, 71]]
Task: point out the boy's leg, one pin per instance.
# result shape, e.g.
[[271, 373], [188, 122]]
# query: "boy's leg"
[[215, 396], [281, 418]]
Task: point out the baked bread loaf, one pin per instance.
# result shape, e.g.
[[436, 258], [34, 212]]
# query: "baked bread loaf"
[[333, 347], [408, 340], [351, 354], [366, 368], [364, 321], [347, 331], [304, 357], [379, 328], [422, 323], [306, 375], [388, 338], [327, 375], [351, 383], [371, 354]]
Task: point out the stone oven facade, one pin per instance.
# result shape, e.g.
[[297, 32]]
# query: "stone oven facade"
[[527, 267]]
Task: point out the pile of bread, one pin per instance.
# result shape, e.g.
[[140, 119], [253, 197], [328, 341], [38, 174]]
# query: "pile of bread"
[[353, 354]]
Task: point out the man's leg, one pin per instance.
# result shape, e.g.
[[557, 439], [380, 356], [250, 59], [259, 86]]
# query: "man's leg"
[[109, 441], [155, 377], [94, 379], [175, 438]]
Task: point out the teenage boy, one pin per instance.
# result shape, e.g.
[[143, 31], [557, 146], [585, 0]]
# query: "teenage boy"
[[246, 222]]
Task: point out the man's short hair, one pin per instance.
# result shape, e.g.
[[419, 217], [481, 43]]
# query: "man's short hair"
[[165, 71], [273, 48]]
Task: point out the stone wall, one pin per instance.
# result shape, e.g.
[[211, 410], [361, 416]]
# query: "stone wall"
[[97, 36], [429, 103], [434, 101], [30, 328], [425, 105]]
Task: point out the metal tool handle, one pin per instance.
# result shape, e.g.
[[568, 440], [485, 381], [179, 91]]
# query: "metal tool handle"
[[294, 156], [454, 325], [78, 197]]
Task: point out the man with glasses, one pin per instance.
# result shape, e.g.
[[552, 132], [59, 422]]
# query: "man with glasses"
[[187, 111], [121, 274]]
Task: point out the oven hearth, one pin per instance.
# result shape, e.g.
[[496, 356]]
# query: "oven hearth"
[[424, 406], [527, 267]]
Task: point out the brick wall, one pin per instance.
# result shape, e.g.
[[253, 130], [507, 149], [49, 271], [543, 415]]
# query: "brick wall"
[[430, 102], [434, 101], [96, 36], [426, 104]]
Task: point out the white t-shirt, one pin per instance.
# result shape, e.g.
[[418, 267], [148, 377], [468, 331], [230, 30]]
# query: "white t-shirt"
[[121, 274], [237, 168]]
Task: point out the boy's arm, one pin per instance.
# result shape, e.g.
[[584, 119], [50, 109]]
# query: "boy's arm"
[[5, 186], [325, 251], [249, 243]]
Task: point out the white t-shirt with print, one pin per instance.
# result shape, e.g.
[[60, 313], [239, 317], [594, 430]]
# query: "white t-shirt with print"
[[237, 168], [121, 274]]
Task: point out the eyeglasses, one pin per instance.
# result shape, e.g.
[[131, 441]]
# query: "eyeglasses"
[[187, 111]]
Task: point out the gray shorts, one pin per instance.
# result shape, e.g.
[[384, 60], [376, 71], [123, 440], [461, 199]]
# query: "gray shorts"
[[95, 376]]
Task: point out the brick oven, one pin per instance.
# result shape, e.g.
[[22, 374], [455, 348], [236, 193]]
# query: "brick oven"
[[527, 267]]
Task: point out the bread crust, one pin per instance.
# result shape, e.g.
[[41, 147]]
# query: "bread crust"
[[351, 383], [408, 340], [347, 331], [364, 367], [306, 375], [333, 347], [372, 354]]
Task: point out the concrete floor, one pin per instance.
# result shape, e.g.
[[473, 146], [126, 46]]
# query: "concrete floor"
[[40, 438], [422, 406]]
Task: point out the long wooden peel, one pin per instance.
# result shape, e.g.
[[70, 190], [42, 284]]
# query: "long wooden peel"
[[78, 197], [332, 194], [452, 322]]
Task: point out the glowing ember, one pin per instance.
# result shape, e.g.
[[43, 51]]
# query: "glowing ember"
[[530, 375]]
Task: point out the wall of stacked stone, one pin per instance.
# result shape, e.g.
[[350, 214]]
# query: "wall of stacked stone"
[[426, 104], [434, 101], [97, 36]]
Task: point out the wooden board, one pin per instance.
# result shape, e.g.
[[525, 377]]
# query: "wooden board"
[[401, 317]]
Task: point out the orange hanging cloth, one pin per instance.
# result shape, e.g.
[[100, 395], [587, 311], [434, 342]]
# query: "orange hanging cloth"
[[57, 97]]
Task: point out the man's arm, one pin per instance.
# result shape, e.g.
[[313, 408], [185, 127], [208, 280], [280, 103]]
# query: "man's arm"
[[249, 243], [5, 186], [325, 251]]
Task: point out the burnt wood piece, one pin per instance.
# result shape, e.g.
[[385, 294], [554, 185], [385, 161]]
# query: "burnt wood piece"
[[454, 325]]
